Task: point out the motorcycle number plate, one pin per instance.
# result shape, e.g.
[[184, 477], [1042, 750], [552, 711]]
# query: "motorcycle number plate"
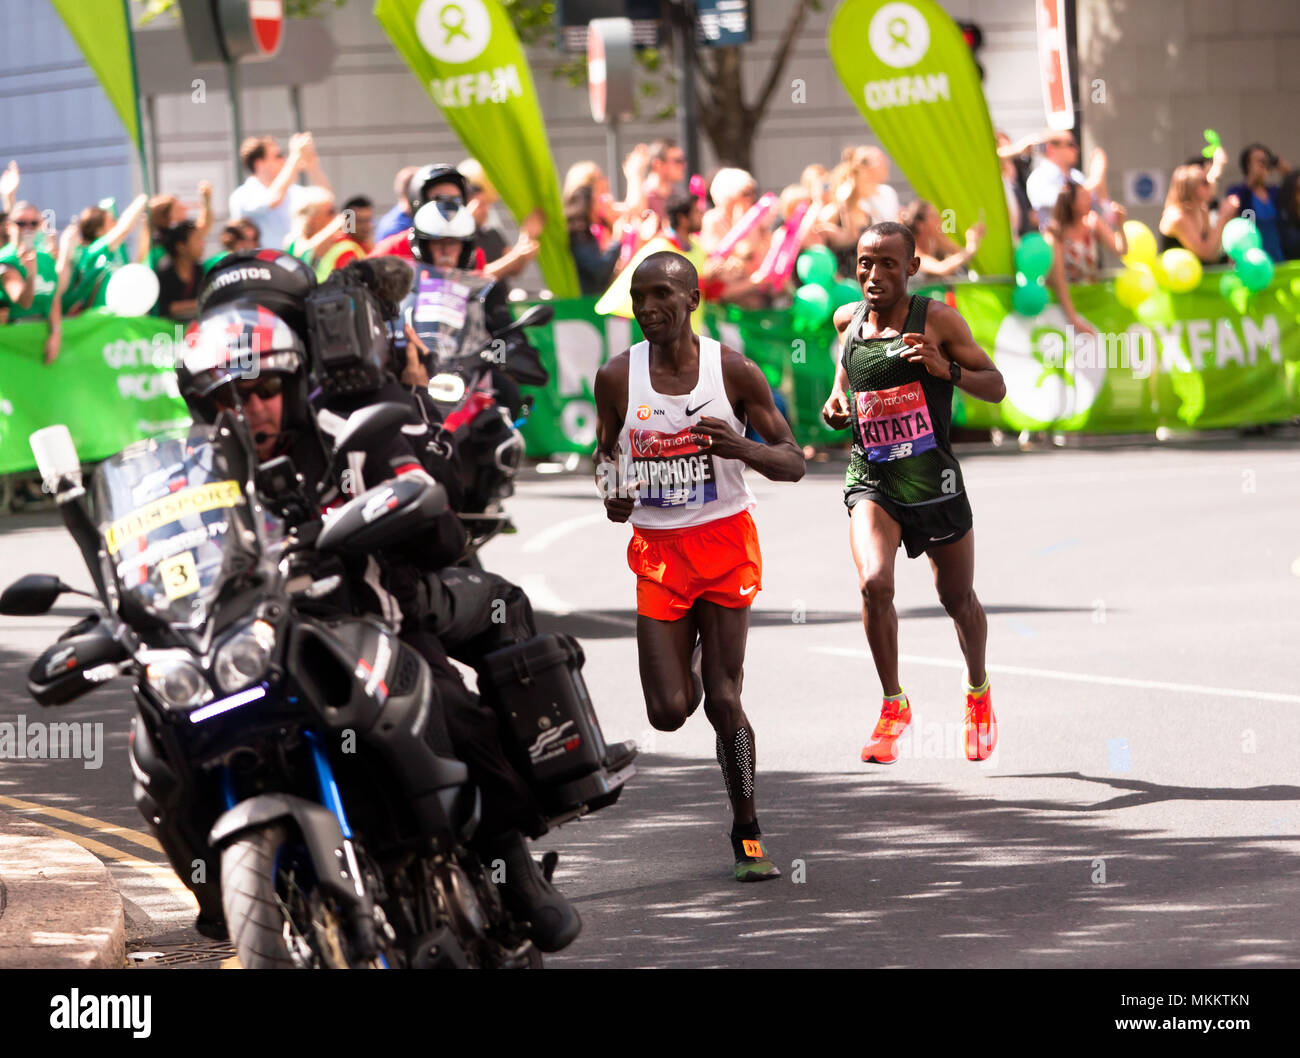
[[180, 577]]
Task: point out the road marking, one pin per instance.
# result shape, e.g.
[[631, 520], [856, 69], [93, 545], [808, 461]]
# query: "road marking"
[[164, 876], [89, 822], [541, 541], [1079, 677]]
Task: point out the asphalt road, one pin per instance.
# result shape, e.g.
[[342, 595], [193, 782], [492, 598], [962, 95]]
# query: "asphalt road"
[[1142, 809]]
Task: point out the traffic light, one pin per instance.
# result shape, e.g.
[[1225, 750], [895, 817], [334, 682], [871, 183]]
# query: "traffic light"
[[974, 37]]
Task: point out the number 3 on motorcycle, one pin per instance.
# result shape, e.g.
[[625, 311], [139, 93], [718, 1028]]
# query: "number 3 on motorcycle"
[[179, 575]]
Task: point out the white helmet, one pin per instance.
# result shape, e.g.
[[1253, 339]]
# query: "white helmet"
[[444, 217]]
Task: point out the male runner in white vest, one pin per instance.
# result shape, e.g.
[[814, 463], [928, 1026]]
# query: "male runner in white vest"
[[677, 475]]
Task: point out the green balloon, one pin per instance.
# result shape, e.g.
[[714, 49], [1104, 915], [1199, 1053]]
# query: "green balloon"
[[812, 306], [1256, 269], [845, 292], [1240, 235], [1030, 296], [816, 265], [1033, 256], [1229, 284]]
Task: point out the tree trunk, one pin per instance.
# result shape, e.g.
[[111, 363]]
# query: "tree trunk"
[[727, 121]]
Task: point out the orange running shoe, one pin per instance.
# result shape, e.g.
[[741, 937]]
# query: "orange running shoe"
[[883, 747], [981, 725]]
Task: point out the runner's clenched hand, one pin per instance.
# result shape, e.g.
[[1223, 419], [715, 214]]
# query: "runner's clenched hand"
[[719, 439], [925, 351]]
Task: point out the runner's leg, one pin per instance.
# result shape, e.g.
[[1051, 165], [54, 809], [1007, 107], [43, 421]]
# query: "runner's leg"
[[724, 631], [874, 537], [664, 650], [954, 577]]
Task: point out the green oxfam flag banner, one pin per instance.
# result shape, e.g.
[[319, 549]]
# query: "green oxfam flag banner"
[[910, 73], [466, 54], [113, 383], [102, 30]]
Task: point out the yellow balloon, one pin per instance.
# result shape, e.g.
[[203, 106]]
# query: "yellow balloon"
[[1141, 244], [1181, 268], [1133, 286]]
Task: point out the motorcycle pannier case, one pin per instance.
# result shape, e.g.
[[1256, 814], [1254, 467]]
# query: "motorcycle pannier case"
[[537, 687]]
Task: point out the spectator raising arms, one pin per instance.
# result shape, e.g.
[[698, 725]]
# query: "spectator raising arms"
[[1261, 198], [100, 252], [941, 258], [1186, 217], [733, 192], [180, 272], [1060, 156], [269, 197], [38, 267], [1076, 235]]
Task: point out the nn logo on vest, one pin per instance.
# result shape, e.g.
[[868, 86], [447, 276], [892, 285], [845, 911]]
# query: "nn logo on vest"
[[899, 37]]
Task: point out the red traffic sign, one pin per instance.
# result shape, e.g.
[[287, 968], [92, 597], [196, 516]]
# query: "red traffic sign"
[[267, 18]]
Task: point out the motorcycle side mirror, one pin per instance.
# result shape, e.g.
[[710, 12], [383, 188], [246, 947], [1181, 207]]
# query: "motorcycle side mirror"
[[368, 423], [32, 595]]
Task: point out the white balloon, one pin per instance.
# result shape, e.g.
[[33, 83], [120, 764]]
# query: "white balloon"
[[132, 290]]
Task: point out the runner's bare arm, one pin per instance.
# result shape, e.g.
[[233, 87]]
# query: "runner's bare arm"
[[610, 393], [947, 339], [747, 389], [836, 409]]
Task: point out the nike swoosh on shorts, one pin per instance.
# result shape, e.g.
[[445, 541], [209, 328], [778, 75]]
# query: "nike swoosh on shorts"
[[744, 591]]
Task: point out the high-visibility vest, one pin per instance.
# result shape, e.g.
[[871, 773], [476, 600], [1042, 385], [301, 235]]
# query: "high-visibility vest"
[[336, 250]]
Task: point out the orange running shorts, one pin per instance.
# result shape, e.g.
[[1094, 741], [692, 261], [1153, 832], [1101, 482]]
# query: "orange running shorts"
[[717, 561]]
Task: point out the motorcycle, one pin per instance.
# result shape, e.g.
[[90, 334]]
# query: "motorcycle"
[[474, 380], [281, 743]]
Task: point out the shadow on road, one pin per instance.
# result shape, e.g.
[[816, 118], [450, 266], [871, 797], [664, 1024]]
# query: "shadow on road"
[[902, 873]]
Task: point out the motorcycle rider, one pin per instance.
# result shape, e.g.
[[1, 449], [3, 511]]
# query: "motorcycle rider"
[[253, 307]]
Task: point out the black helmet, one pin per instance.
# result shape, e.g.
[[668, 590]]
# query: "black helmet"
[[438, 173], [270, 278], [243, 340], [443, 218]]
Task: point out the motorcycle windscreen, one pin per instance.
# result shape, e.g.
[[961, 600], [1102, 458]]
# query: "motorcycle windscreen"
[[445, 308], [176, 525]]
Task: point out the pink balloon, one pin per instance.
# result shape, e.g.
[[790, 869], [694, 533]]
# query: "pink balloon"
[[790, 247], [697, 189], [745, 225]]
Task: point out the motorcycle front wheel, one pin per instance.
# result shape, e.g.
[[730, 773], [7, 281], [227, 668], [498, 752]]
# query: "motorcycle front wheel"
[[276, 918]]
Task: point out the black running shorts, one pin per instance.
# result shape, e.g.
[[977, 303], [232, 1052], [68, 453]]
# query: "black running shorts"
[[925, 525]]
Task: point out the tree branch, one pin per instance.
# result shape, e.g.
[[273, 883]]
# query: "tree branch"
[[792, 28]]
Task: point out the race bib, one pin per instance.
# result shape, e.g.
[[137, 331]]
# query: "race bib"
[[672, 469], [894, 423]]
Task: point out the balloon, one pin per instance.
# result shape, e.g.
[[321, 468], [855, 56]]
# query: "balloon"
[[132, 290], [816, 265], [845, 292], [1141, 244], [1240, 235], [1133, 286], [1181, 269], [1255, 269], [1230, 283], [812, 306], [1033, 256], [1030, 296]]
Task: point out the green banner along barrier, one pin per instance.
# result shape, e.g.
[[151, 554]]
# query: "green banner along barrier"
[[908, 70], [113, 383], [467, 56], [1195, 360]]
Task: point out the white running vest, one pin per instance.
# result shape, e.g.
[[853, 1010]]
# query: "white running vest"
[[683, 484]]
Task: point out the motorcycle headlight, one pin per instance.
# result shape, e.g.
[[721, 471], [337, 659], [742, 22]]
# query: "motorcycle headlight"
[[244, 657], [178, 681]]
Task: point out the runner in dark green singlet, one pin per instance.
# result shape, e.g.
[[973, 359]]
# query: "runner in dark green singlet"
[[893, 389]]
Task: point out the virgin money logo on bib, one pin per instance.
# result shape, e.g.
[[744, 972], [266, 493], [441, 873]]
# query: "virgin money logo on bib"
[[672, 469], [899, 35], [453, 30]]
